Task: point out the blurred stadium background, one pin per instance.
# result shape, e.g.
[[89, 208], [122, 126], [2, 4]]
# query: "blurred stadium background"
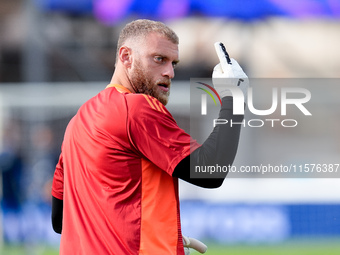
[[56, 54]]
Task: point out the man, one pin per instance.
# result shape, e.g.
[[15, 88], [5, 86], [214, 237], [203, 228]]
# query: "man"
[[115, 188]]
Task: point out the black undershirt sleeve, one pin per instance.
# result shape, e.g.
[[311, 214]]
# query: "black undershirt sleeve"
[[218, 149], [57, 214]]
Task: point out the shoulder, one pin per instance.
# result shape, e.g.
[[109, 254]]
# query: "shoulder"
[[145, 104]]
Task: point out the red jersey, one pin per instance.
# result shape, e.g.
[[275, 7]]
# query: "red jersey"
[[114, 176]]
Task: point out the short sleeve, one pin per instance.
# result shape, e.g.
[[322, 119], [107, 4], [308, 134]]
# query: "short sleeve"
[[155, 134], [58, 180]]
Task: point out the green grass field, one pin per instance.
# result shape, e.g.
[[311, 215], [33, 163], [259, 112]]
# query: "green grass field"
[[310, 247], [28, 250]]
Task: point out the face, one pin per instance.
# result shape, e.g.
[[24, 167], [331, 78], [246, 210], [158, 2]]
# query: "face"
[[153, 67]]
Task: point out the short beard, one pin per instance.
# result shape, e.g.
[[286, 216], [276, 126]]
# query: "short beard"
[[144, 85]]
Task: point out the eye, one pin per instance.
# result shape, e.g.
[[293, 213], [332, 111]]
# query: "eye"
[[174, 64], [158, 59]]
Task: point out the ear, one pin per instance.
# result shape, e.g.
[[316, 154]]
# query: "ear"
[[125, 56]]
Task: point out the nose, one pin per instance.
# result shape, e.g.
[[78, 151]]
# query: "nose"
[[169, 71]]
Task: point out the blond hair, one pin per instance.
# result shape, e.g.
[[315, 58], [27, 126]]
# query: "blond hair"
[[141, 28]]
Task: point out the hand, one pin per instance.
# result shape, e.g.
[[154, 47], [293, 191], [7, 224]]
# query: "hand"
[[189, 242], [186, 251], [227, 77]]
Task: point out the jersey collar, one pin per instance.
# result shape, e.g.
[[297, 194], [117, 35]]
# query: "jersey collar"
[[120, 88]]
